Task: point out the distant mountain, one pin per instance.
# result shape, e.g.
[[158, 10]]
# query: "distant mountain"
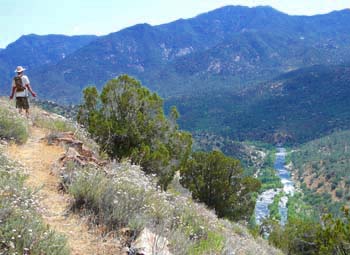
[[296, 107], [227, 48], [33, 51], [230, 71]]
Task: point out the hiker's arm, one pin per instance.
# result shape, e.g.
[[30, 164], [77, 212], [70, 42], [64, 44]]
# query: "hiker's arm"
[[13, 90], [30, 90]]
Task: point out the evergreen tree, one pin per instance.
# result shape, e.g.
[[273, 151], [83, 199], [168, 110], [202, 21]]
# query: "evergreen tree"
[[218, 181], [127, 120]]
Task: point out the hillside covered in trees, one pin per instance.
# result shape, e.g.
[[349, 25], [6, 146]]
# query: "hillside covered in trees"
[[294, 108], [322, 166]]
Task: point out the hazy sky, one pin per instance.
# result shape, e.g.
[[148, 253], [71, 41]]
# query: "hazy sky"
[[19, 17]]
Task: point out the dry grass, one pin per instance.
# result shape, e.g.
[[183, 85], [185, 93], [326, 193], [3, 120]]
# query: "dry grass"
[[22, 230], [13, 126], [38, 157], [121, 195]]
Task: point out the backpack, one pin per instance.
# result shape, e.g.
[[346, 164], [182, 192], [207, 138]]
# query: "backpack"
[[19, 84]]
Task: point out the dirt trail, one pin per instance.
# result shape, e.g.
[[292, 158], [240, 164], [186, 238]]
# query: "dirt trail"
[[38, 157]]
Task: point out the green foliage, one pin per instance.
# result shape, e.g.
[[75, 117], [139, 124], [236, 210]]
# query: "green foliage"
[[54, 125], [127, 120], [297, 237], [269, 179], [218, 181], [300, 209], [267, 174], [327, 157], [212, 244], [250, 154], [321, 202], [274, 207], [301, 236], [22, 230], [287, 109], [116, 203], [13, 126]]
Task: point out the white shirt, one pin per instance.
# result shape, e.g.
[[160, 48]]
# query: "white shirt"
[[25, 81]]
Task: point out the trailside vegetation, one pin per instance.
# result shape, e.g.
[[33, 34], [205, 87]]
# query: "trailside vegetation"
[[218, 181], [121, 195], [22, 230], [12, 125], [305, 236], [127, 120]]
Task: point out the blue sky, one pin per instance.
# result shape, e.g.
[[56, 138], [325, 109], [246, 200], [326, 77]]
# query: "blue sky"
[[19, 17]]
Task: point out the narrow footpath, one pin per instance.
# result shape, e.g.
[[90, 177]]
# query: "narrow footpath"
[[38, 158]]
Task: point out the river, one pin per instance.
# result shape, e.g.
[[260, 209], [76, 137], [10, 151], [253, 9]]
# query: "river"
[[266, 198]]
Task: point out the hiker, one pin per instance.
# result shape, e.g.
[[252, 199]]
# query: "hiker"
[[20, 87]]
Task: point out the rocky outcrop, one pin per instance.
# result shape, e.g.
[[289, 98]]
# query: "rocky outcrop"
[[146, 243], [151, 243], [76, 151]]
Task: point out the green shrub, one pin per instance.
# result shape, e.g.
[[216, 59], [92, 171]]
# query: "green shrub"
[[13, 126], [301, 236], [218, 181], [115, 202]]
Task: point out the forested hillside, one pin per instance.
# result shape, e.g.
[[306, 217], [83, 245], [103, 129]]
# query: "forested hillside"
[[322, 167], [296, 107]]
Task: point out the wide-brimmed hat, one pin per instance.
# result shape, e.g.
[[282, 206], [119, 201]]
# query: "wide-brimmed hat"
[[19, 69]]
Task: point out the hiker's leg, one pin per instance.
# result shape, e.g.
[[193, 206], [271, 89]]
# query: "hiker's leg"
[[27, 113], [25, 105], [18, 105]]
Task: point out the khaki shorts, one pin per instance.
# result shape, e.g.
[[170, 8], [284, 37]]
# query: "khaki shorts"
[[22, 103]]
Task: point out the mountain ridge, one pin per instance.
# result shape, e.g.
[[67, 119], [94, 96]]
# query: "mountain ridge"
[[153, 54], [33, 51]]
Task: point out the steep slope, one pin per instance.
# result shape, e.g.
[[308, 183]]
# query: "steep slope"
[[296, 107], [227, 47], [123, 194], [322, 167]]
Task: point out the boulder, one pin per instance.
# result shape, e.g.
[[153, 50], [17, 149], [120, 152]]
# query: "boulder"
[[150, 243]]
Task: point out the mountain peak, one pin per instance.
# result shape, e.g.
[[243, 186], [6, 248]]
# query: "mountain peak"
[[239, 9], [138, 27]]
